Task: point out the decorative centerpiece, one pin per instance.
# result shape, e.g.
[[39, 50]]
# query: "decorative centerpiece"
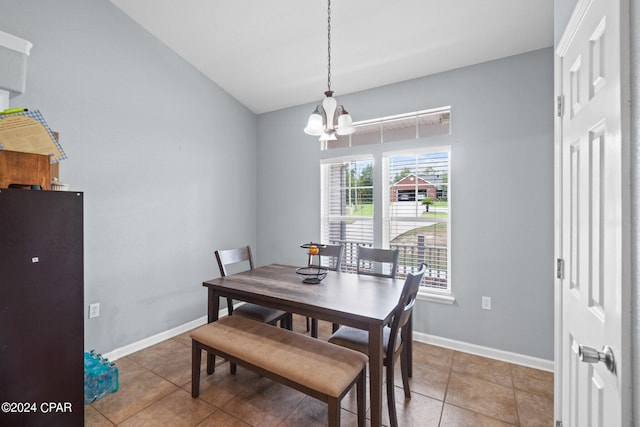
[[312, 274]]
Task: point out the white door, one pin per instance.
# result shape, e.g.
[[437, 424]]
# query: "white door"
[[592, 216]]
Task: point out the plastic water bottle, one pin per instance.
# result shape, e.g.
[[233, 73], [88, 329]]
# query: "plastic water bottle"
[[100, 376]]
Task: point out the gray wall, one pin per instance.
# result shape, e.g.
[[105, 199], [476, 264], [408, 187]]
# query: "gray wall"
[[151, 142], [562, 11], [502, 245]]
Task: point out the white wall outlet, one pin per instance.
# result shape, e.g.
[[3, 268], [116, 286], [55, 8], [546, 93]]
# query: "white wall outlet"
[[486, 303], [94, 310]]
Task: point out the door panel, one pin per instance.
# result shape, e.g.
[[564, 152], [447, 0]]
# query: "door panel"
[[591, 170]]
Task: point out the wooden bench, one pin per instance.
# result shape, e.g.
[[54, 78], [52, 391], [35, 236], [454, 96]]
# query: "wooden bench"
[[317, 368]]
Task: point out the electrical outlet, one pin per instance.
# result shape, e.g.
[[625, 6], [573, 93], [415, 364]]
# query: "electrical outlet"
[[94, 310], [486, 303]]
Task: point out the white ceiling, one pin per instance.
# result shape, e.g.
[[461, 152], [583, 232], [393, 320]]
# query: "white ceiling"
[[273, 54]]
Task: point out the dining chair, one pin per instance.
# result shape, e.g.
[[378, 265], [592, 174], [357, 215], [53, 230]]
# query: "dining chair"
[[333, 255], [374, 261], [256, 312], [395, 339]]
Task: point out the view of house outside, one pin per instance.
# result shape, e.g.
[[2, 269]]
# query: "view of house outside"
[[415, 216]]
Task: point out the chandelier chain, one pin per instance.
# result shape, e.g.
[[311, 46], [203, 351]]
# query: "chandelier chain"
[[329, 45]]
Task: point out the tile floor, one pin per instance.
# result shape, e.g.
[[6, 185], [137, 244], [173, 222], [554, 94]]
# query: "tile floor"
[[449, 388]]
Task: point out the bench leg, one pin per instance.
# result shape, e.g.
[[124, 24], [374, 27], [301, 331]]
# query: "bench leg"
[[361, 397], [334, 412], [196, 358], [211, 363]]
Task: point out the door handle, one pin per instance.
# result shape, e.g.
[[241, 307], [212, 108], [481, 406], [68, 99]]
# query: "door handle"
[[591, 355]]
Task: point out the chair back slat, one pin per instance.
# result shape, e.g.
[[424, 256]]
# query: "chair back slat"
[[334, 252], [381, 256], [227, 257], [403, 310]]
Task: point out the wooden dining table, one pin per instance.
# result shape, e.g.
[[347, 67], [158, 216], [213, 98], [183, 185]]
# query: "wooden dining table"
[[363, 302]]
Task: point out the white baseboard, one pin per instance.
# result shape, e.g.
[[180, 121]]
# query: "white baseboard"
[[155, 339], [162, 336], [492, 353]]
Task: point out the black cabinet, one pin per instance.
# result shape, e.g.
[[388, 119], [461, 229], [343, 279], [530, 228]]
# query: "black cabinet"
[[41, 308]]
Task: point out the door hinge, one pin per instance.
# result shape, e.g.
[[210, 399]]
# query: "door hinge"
[[560, 105], [559, 268]]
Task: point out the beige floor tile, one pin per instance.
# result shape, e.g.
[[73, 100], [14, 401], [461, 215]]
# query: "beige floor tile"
[[93, 418], [128, 369], [426, 354], [220, 387], [430, 380], [222, 419], [184, 338], [264, 404], [420, 410], [533, 380], [534, 410], [133, 396], [170, 359], [452, 416], [482, 396], [178, 409], [483, 368], [313, 413]]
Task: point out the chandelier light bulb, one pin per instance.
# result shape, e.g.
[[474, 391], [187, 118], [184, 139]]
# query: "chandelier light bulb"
[[315, 125], [345, 124]]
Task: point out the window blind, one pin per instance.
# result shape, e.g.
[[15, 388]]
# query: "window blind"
[[347, 207], [417, 214]]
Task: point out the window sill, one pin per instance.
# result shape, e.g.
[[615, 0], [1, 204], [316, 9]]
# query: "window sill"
[[436, 297]]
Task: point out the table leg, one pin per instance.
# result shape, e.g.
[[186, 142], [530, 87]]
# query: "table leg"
[[213, 307], [376, 358]]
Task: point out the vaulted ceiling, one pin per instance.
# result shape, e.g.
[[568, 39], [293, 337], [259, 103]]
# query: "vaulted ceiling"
[[273, 54]]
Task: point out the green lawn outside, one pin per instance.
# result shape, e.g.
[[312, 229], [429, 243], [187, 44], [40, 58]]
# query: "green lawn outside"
[[366, 209]]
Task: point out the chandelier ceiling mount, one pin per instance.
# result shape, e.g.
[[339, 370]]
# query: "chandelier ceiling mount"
[[329, 119]]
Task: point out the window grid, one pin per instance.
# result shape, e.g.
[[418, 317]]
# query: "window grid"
[[418, 214], [347, 215]]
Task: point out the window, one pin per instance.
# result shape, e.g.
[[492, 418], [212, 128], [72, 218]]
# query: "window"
[[391, 199], [417, 219], [347, 206]]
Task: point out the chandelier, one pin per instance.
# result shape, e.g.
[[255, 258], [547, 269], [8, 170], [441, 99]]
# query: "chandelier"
[[329, 119]]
